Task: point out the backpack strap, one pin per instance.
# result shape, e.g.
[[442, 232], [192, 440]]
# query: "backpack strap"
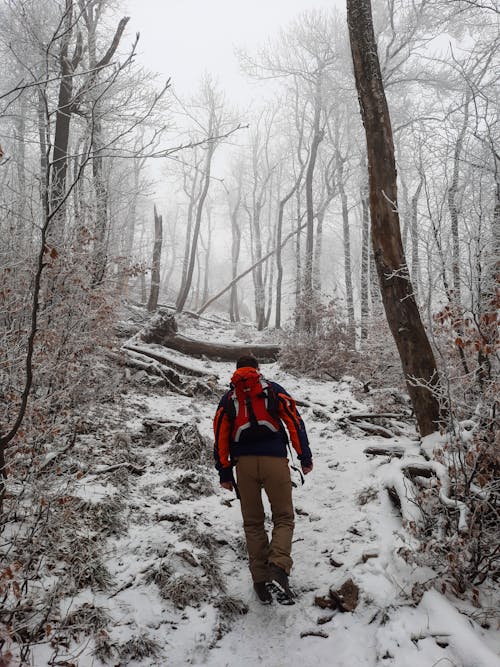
[[272, 404], [231, 405]]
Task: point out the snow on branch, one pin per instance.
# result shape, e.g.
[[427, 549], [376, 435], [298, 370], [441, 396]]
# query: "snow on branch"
[[399, 477]]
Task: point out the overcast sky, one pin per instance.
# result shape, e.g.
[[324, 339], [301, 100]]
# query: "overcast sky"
[[185, 38]]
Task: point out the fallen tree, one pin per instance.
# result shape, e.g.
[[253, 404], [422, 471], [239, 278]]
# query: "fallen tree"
[[250, 269], [162, 330]]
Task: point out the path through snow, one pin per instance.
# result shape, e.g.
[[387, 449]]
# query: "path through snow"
[[182, 524]]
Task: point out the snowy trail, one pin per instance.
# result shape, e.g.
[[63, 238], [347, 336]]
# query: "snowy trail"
[[326, 512], [183, 527], [342, 515]]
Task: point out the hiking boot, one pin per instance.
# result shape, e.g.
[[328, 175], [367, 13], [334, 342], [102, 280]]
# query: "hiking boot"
[[263, 592], [280, 579]]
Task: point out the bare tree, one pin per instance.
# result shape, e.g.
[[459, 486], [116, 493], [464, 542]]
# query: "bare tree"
[[217, 122], [401, 309], [155, 267], [260, 173], [234, 196]]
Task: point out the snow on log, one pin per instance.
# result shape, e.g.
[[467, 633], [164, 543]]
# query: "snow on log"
[[399, 477], [463, 636], [381, 450], [373, 429], [162, 330], [158, 353]]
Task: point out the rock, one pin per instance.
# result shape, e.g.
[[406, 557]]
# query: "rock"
[[347, 596]]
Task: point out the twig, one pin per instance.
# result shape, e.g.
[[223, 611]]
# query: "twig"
[[137, 470]]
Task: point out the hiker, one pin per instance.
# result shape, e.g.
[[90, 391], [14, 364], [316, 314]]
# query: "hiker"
[[250, 437]]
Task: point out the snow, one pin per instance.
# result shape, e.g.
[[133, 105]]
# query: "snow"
[[346, 527]]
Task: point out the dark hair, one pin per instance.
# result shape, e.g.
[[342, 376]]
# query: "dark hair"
[[247, 360]]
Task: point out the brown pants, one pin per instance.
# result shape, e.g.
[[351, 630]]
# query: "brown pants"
[[273, 475]]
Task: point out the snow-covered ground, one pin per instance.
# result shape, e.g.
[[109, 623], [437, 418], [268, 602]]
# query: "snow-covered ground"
[[184, 529]]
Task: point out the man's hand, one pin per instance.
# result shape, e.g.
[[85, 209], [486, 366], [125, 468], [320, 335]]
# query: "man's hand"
[[227, 485], [307, 469]]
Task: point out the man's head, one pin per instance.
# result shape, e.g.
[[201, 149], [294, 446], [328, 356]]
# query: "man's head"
[[247, 360]]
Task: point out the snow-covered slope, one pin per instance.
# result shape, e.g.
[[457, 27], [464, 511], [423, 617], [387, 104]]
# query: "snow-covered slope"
[[181, 593]]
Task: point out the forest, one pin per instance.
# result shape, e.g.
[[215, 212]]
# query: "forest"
[[345, 228]]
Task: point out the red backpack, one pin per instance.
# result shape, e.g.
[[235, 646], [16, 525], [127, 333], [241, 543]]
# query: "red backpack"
[[252, 407]]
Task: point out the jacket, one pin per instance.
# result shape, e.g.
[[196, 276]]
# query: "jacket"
[[226, 450]]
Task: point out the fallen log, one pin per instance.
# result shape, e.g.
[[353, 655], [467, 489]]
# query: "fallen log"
[[162, 330], [227, 352], [396, 451], [163, 358], [373, 429], [380, 415], [168, 376], [400, 478]]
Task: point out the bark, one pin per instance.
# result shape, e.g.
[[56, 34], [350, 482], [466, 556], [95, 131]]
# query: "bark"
[[328, 192], [318, 250], [298, 261], [453, 205], [347, 243], [415, 260], [20, 137], [131, 224], [279, 236], [65, 109], [101, 202], [193, 196], [365, 253], [402, 313], [406, 225], [155, 269], [270, 285]]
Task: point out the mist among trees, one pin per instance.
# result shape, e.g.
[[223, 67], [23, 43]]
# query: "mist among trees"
[[347, 221]]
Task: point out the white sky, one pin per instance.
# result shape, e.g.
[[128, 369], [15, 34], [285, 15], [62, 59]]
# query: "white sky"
[[185, 38]]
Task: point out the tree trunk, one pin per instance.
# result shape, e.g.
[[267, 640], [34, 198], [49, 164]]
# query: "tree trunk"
[[193, 198], [183, 295], [20, 137], [234, 311], [171, 256], [365, 266], [155, 269], [453, 206], [307, 297], [65, 108], [298, 261], [415, 260], [403, 317], [318, 250], [347, 245], [279, 263], [129, 231], [162, 330], [279, 236], [208, 250]]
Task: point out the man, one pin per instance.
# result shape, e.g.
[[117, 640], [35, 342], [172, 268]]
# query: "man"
[[250, 436]]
